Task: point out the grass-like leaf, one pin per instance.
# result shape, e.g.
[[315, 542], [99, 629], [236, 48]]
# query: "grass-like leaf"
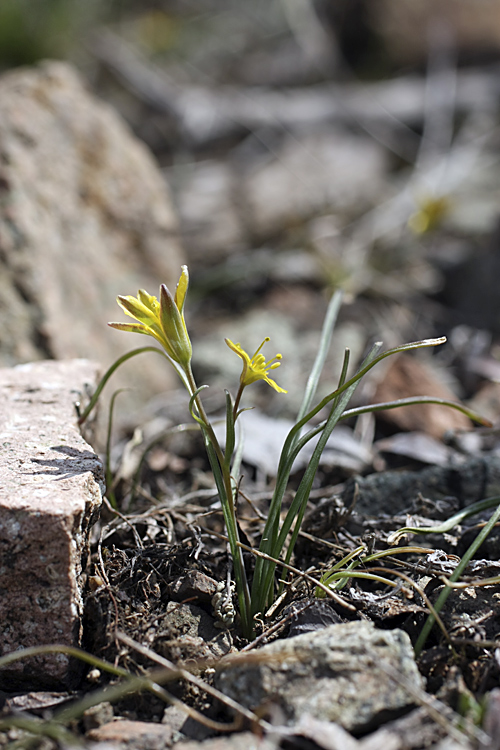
[[109, 372], [483, 534]]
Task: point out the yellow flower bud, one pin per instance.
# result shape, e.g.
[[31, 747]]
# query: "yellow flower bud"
[[164, 320]]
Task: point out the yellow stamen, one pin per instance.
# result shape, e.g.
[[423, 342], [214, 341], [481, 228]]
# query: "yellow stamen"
[[256, 368]]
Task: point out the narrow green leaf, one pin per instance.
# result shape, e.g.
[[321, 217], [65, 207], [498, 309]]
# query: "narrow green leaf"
[[230, 431], [110, 371], [418, 400], [324, 346], [233, 537], [274, 539], [270, 532], [447, 525], [345, 367], [192, 404]]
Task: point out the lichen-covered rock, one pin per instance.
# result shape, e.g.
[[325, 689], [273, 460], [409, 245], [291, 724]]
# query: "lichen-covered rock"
[[84, 215], [344, 673]]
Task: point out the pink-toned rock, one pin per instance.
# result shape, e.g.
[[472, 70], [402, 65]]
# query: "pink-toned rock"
[[50, 493], [404, 27], [140, 734]]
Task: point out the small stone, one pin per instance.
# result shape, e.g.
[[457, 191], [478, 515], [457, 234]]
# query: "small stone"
[[96, 716], [243, 741], [143, 735], [186, 632], [193, 585], [325, 734], [336, 674]]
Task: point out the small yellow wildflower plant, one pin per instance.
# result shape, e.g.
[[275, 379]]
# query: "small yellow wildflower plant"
[[164, 321]]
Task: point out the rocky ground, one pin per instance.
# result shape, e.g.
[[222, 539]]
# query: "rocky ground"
[[291, 159]]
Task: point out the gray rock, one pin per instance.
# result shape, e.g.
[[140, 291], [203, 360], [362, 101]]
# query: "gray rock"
[[97, 716], [450, 744], [85, 215], [339, 674], [325, 734], [392, 492], [411, 732], [186, 632], [325, 171], [50, 493], [243, 741]]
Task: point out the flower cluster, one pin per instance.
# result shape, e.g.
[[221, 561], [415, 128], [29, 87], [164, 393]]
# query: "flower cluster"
[[164, 320]]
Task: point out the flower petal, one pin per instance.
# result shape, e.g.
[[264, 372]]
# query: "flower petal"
[[134, 327], [181, 290], [237, 349], [136, 309], [274, 385], [174, 328], [137, 328], [256, 368], [149, 301]]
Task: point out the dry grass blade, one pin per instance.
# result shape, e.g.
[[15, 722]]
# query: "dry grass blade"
[[422, 593], [202, 685], [131, 684], [331, 594]]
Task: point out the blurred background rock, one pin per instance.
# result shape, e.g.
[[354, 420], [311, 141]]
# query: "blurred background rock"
[[302, 145]]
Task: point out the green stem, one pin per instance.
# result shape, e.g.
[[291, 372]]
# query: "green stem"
[[237, 401], [108, 473], [222, 477]]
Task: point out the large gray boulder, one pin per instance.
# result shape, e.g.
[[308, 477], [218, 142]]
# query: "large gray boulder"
[[84, 215]]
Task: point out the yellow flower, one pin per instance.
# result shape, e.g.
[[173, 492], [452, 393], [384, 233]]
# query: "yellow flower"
[[431, 211], [256, 367], [164, 320]]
